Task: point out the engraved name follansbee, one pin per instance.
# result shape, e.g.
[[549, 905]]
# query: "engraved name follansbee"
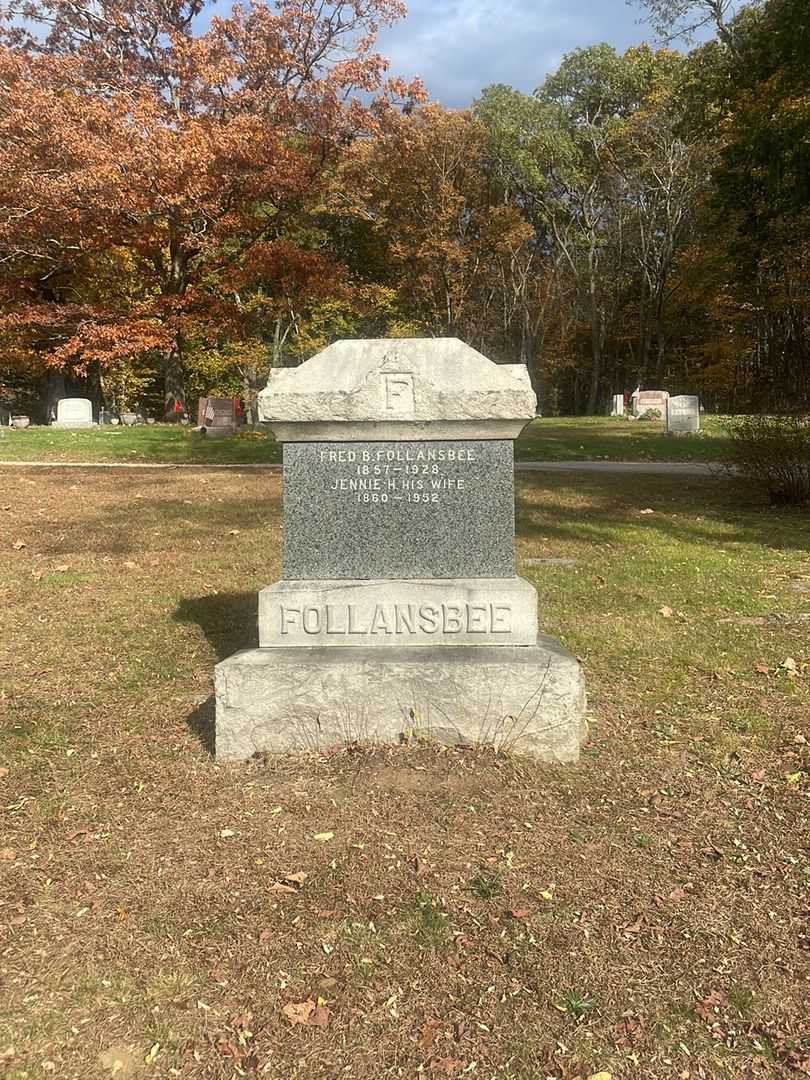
[[404, 620]]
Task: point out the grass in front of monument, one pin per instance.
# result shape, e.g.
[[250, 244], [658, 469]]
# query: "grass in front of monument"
[[436, 912], [550, 439]]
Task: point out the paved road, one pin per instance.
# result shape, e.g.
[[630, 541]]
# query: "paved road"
[[659, 468]]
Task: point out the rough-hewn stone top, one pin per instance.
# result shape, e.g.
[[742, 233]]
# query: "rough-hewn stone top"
[[398, 388]]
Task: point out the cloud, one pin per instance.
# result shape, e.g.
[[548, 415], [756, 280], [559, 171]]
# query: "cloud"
[[458, 47]]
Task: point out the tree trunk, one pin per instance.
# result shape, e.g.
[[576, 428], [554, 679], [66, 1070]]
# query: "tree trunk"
[[54, 390], [660, 340], [174, 383], [596, 350]]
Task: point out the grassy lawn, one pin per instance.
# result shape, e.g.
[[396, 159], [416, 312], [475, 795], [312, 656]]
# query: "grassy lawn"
[[593, 438], [435, 912], [567, 439], [152, 444]]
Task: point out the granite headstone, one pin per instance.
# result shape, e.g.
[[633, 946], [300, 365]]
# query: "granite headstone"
[[399, 606], [651, 401], [683, 414]]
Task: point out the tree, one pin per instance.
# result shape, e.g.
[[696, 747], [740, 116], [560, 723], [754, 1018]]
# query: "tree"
[[126, 134], [454, 249], [672, 19], [753, 102]]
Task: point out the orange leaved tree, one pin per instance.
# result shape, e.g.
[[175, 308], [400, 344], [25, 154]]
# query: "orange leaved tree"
[[154, 163]]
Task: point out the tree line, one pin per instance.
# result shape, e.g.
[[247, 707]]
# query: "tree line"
[[186, 202]]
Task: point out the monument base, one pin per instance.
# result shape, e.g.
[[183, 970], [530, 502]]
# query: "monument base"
[[529, 699]]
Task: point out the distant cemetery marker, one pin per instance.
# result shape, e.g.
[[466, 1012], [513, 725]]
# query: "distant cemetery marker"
[[74, 413], [399, 610], [683, 414]]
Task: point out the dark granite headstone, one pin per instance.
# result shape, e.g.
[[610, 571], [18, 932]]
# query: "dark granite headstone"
[[399, 510]]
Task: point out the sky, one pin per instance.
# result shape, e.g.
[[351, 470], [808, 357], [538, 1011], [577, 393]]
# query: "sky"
[[458, 47]]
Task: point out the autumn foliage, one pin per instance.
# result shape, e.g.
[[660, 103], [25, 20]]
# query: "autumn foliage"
[[187, 199], [151, 173]]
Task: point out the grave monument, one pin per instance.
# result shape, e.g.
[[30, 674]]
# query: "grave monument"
[[399, 613], [74, 413], [650, 401], [683, 414]]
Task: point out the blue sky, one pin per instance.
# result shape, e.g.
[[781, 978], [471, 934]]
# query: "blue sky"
[[460, 46]]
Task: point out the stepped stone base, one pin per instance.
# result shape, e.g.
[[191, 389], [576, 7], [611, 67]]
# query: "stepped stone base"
[[527, 699]]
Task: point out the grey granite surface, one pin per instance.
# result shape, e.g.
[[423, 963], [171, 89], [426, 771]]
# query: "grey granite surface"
[[399, 510]]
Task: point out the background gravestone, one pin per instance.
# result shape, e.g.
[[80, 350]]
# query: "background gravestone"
[[399, 608], [74, 413], [217, 417], [651, 400], [683, 414]]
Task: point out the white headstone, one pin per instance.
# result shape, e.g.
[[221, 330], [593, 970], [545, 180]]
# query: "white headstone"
[[74, 413], [683, 414], [617, 408]]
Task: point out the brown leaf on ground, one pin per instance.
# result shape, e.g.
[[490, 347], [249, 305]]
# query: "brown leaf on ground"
[[280, 887], [763, 669], [446, 1066], [636, 926], [628, 1031], [309, 1013], [297, 878], [18, 545], [226, 1048], [710, 1005], [427, 1034], [520, 913]]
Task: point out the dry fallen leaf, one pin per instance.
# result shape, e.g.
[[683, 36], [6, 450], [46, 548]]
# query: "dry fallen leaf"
[[520, 913], [763, 669], [297, 878], [648, 510], [311, 1013], [447, 1066], [280, 887], [7, 854], [18, 545], [323, 836], [665, 611]]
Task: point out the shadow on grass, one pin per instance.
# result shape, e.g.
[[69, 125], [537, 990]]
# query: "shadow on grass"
[[201, 722], [229, 620]]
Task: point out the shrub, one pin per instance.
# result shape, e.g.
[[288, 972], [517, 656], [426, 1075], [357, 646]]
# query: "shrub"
[[773, 452]]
